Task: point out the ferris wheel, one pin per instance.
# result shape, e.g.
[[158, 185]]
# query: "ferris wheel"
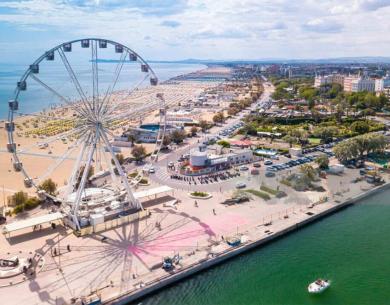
[[94, 91]]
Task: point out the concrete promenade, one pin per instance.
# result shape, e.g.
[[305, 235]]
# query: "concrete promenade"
[[255, 237]]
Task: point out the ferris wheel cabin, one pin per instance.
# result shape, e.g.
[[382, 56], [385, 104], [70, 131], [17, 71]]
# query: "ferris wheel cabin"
[[22, 85], [144, 68], [49, 56], [118, 48], [133, 57], [18, 166], [102, 44], [153, 81], [67, 47], [11, 147], [13, 105], [85, 43], [34, 68]]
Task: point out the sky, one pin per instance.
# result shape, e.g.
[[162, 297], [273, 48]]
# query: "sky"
[[203, 29]]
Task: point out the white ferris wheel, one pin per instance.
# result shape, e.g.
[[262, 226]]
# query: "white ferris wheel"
[[92, 90]]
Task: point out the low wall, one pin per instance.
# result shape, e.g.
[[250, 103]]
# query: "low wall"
[[114, 223], [234, 251]]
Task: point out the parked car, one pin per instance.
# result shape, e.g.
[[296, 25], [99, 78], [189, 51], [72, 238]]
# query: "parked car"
[[269, 174], [235, 200], [268, 162], [240, 185], [256, 165], [244, 168], [255, 172]]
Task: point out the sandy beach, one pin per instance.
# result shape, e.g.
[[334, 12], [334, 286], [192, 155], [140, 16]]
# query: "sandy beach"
[[33, 130]]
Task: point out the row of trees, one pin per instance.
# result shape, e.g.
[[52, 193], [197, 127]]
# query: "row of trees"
[[360, 145]]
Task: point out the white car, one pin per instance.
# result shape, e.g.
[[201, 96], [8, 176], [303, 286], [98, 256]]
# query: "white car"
[[240, 185], [152, 170]]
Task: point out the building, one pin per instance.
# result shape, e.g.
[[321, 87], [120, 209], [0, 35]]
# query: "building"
[[146, 133], [348, 82], [202, 162], [382, 83], [363, 84], [328, 79]]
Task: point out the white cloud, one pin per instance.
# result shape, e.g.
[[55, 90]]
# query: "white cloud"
[[323, 26], [170, 29]]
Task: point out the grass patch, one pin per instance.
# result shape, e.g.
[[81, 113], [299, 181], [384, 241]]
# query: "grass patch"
[[314, 140], [200, 194], [277, 193], [260, 194], [268, 190], [133, 175], [144, 181]]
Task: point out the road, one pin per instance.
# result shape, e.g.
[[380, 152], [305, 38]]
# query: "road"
[[162, 176]]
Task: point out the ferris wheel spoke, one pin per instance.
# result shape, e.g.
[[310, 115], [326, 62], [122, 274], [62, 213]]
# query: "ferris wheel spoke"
[[110, 167], [130, 92], [105, 102], [74, 80], [84, 177], [60, 160], [95, 75], [134, 202], [73, 105], [76, 167]]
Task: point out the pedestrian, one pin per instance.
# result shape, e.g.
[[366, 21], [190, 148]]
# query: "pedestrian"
[[214, 212], [196, 204]]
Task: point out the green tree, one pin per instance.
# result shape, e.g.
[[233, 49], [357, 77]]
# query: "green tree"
[[167, 140], [178, 136], [49, 186], [203, 124], [290, 140], [224, 144], [323, 162], [360, 127], [308, 171], [131, 138], [120, 158], [218, 117], [138, 152], [19, 198], [194, 130], [233, 111], [345, 151]]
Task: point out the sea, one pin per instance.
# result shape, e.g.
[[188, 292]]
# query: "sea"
[[36, 98], [350, 248]]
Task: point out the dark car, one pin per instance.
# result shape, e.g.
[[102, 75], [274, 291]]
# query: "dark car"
[[3, 220], [232, 201]]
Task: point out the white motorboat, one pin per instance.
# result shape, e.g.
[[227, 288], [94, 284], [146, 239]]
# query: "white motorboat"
[[318, 286]]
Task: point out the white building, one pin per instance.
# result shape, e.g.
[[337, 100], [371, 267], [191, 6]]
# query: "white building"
[[382, 83], [201, 159], [328, 79], [363, 84]]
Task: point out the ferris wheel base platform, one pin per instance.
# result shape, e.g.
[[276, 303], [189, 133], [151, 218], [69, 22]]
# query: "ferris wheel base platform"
[[109, 224]]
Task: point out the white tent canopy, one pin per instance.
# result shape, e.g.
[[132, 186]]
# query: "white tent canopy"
[[153, 191], [23, 224]]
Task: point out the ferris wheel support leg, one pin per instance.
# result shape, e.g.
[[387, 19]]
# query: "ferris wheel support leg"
[[135, 203], [76, 168], [83, 180]]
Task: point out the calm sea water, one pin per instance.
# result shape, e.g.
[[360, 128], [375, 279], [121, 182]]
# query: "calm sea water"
[[36, 98], [351, 248]]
